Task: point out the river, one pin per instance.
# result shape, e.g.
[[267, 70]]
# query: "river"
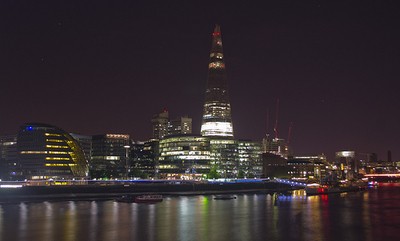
[[370, 215]]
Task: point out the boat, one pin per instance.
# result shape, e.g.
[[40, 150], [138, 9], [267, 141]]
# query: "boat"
[[145, 198], [321, 189], [126, 199], [224, 197], [148, 198]]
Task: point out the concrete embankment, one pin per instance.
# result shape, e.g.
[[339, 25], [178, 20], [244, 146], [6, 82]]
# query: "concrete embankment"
[[105, 192]]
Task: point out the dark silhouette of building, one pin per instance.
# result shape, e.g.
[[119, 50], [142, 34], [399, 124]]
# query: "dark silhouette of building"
[[144, 158], [274, 166]]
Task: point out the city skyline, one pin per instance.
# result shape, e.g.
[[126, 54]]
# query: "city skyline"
[[105, 68]]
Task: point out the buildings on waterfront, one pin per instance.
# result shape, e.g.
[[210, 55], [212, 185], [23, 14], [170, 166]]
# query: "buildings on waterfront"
[[184, 157], [163, 126], [8, 157], [110, 156], [42, 151]]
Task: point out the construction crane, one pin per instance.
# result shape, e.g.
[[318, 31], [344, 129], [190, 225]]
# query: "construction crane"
[[289, 132], [276, 119]]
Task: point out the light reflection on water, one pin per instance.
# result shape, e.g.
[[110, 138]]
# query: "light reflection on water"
[[370, 215]]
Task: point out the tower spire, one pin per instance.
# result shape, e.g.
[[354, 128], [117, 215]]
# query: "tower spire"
[[217, 120]]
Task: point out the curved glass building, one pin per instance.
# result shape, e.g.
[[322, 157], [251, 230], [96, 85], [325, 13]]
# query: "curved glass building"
[[184, 157], [46, 152]]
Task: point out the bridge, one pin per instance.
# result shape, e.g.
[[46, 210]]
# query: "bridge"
[[290, 182]]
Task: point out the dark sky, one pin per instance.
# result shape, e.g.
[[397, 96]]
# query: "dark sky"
[[94, 67]]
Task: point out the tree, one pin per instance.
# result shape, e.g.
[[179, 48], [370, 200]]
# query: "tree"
[[213, 174]]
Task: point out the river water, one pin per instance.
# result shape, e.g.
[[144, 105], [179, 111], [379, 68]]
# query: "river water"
[[370, 215]]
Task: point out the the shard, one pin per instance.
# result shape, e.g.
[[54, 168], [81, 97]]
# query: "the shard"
[[217, 119]]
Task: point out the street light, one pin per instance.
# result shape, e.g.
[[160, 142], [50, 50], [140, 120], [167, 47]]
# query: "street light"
[[127, 147]]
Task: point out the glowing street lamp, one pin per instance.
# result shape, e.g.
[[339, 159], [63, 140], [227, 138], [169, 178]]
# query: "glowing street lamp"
[[127, 147]]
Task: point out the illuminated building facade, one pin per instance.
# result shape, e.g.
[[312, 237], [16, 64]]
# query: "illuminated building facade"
[[346, 164], [163, 126], [181, 125], [224, 156], [144, 158], [249, 158], [86, 144], [217, 120], [160, 124], [184, 157], [45, 152], [308, 167], [9, 158], [109, 155], [276, 146]]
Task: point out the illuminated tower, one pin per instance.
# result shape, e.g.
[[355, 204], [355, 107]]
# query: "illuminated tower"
[[217, 119]]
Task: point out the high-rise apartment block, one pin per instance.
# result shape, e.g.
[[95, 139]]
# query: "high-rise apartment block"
[[160, 124], [163, 126], [181, 125]]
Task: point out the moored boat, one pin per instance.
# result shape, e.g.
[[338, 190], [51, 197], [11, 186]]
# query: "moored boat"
[[126, 199], [148, 198], [224, 197], [321, 189]]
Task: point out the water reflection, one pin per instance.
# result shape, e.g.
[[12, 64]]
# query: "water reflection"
[[371, 215]]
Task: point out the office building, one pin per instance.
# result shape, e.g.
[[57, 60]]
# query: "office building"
[[144, 159], [160, 124], [9, 168], [184, 157], [249, 158], [110, 156], [85, 143], [163, 126], [217, 120], [181, 125], [48, 152]]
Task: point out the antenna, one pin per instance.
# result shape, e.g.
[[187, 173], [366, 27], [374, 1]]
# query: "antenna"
[[276, 119], [289, 133], [267, 121]]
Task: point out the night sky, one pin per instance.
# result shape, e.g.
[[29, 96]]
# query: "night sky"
[[108, 67]]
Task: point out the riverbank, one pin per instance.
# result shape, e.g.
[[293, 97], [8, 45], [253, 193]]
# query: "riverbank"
[[107, 192]]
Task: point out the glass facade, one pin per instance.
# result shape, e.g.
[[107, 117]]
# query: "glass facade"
[[184, 157], [46, 152], [224, 157], [217, 120], [109, 155], [9, 169], [249, 159]]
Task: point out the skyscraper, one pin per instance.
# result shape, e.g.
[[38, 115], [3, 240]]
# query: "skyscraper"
[[217, 119], [180, 125], [160, 124]]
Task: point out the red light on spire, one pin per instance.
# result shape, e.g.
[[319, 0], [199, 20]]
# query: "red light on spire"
[[216, 33]]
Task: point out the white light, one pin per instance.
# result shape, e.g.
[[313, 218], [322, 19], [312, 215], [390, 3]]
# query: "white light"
[[10, 186], [217, 129]]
